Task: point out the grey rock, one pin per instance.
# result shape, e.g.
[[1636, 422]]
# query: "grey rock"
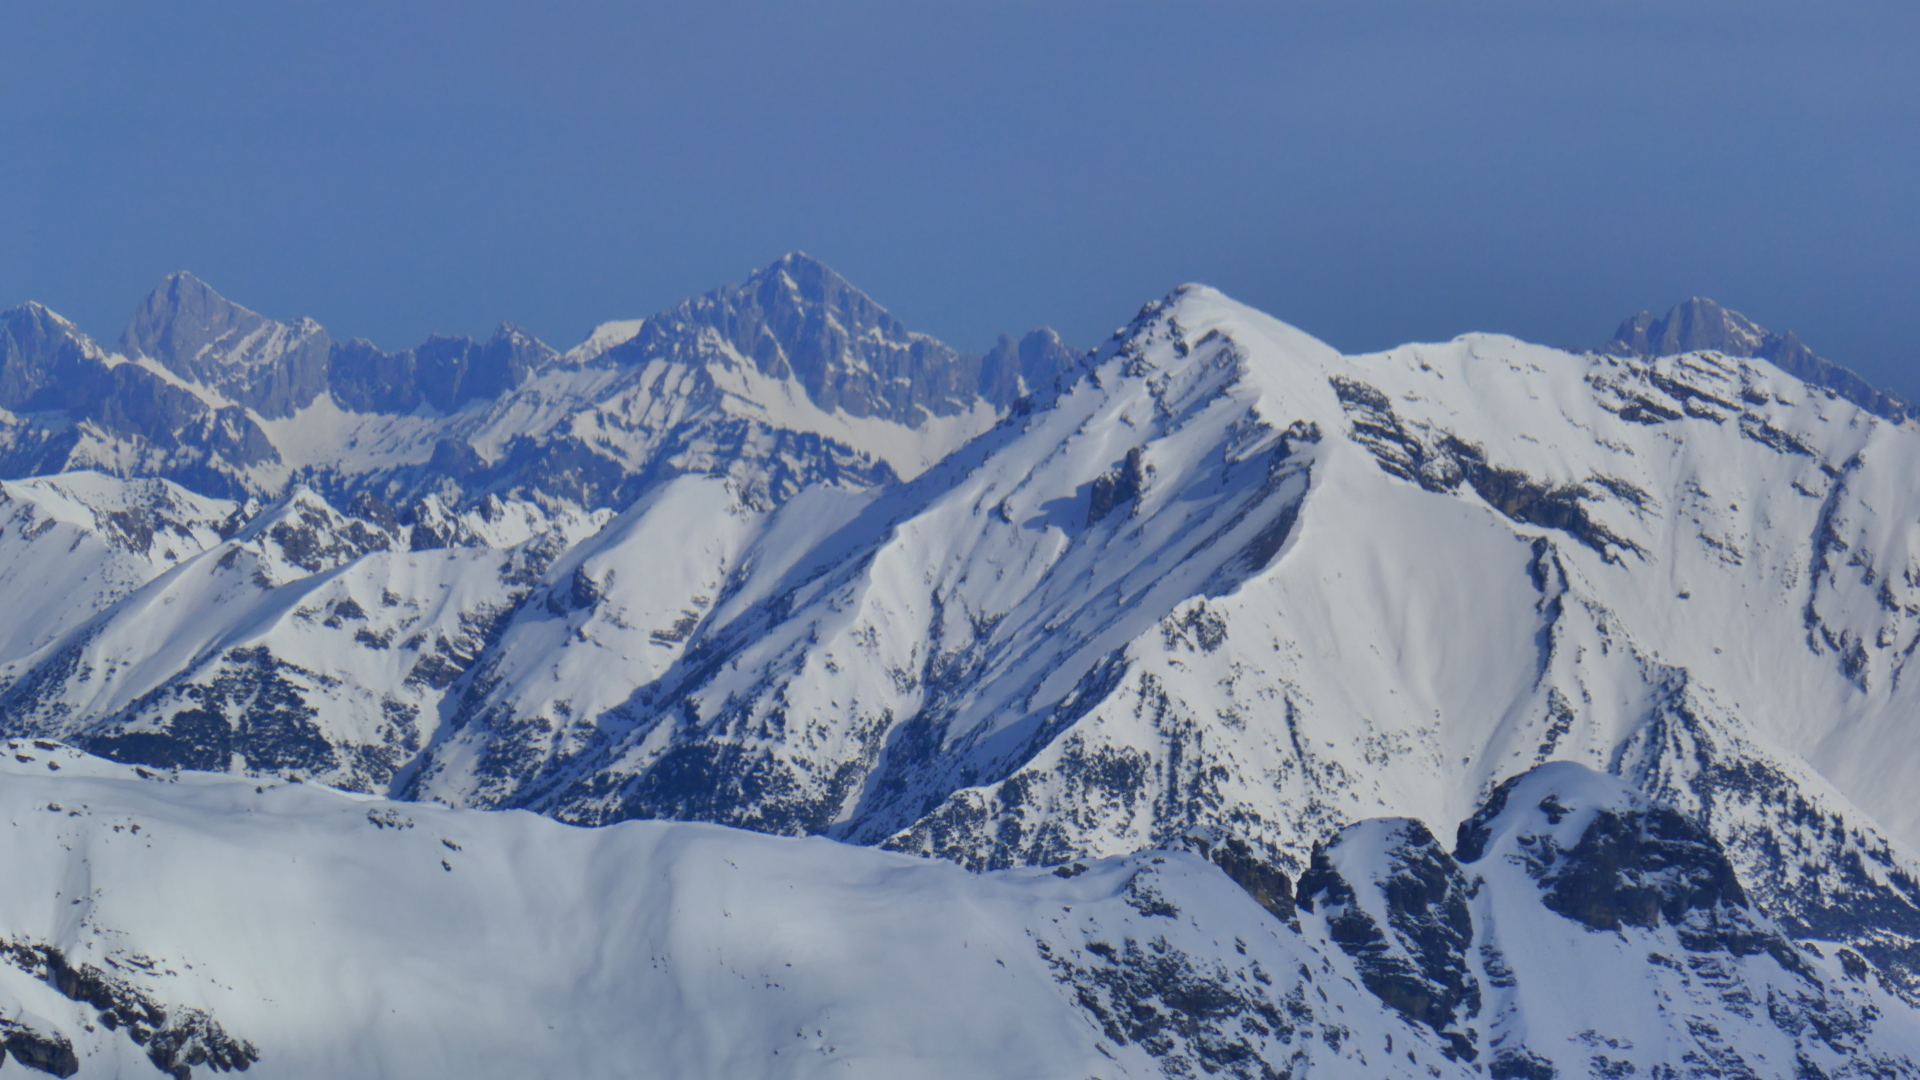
[[1417, 963], [60, 385], [443, 373], [1700, 325], [798, 319], [272, 367]]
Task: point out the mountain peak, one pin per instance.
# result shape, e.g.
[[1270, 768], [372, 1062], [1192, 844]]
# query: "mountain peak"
[[273, 367], [180, 317], [799, 287], [1700, 325], [799, 263], [34, 313], [798, 320], [1695, 325]]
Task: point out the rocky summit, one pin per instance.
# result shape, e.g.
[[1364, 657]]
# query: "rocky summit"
[[1207, 703]]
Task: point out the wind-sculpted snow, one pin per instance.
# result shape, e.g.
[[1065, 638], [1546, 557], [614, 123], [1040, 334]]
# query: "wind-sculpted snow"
[[295, 932]]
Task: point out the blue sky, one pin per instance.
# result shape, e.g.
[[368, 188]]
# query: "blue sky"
[[1373, 172]]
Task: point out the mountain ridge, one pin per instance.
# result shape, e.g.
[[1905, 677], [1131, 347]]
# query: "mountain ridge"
[[237, 926], [437, 419], [1213, 586], [1699, 324]]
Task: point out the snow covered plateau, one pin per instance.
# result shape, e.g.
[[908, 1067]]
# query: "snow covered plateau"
[[763, 689]]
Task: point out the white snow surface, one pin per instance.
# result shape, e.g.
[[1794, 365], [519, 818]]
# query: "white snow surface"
[[336, 935], [346, 936]]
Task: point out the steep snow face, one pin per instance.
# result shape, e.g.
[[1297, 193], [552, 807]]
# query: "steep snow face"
[[934, 634], [184, 924], [1214, 575], [302, 642], [70, 545]]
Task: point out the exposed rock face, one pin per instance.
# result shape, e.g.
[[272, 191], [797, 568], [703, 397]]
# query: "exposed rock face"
[[49, 1052], [792, 379], [1635, 875], [442, 374], [271, 367], [1266, 883], [799, 320], [1397, 903], [1700, 325], [1213, 575], [76, 408], [1640, 868], [1671, 973], [176, 1038], [40, 350]]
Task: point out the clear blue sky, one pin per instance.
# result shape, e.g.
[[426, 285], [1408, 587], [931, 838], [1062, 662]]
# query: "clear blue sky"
[[1373, 172]]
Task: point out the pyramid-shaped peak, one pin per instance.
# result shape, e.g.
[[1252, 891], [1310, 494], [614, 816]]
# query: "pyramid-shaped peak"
[[180, 317], [800, 280], [796, 316], [203, 337], [37, 313], [1694, 325], [802, 268], [181, 289]]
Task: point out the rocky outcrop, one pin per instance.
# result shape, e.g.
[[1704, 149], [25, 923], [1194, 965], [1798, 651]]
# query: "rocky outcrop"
[[1699, 324], [177, 1039], [442, 374], [797, 319], [46, 1051], [271, 367], [1397, 903]]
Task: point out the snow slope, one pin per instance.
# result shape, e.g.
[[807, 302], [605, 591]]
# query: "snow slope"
[[184, 923]]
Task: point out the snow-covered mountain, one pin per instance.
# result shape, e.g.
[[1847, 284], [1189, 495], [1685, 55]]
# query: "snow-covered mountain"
[[792, 378], [1700, 325], [770, 560], [158, 923]]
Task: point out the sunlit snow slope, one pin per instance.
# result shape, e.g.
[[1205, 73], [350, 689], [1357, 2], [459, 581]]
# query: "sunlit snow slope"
[[153, 923]]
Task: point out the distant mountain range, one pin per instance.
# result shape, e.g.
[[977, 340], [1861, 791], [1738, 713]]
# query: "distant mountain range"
[[794, 369], [1631, 627]]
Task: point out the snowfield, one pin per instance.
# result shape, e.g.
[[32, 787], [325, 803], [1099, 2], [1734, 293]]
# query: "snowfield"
[[172, 922]]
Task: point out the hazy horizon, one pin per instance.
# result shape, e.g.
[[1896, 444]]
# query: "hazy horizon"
[[1374, 174]]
